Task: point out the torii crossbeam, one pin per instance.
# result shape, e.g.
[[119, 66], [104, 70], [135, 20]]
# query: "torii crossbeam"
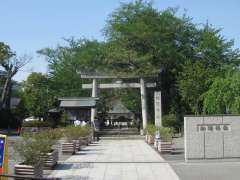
[[142, 85]]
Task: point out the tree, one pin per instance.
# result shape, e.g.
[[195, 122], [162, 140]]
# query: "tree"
[[36, 95], [194, 81], [11, 64], [144, 41], [224, 94], [67, 62], [186, 57], [212, 53], [140, 40]]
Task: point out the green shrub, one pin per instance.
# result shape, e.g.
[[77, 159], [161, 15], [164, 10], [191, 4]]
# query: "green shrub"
[[72, 132], [169, 120], [55, 134], [166, 133], [29, 150], [31, 147], [85, 131], [36, 123], [48, 138], [76, 132], [151, 129]]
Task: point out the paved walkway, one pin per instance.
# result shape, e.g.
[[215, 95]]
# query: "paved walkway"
[[116, 160]]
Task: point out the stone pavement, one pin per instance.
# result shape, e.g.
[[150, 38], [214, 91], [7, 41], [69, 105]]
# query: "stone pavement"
[[211, 169], [116, 160]]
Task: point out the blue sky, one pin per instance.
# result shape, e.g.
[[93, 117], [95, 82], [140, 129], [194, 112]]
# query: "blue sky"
[[29, 25]]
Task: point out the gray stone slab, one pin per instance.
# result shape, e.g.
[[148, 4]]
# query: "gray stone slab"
[[212, 137], [118, 160]]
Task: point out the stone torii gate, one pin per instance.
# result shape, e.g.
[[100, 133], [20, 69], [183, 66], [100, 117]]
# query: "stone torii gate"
[[142, 85]]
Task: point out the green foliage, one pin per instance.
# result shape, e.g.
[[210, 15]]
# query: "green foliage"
[[144, 40], [36, 123], [54, 134], [36, 94], [194, 81], [31, 148], [71, 133], [66, 62], [212, 52], [151, 129], [166, 133], [5, 53], [48, 138], [187, 57], [76, 132], [224, 94], [140, 40], [170, 120], [85, 131]]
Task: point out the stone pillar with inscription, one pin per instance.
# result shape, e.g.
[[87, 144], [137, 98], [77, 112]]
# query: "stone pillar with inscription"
[[144, 103], [158, 108]]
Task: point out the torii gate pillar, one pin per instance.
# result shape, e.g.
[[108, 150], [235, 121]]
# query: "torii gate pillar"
[[142, 85], [143, 102], [94, 94]]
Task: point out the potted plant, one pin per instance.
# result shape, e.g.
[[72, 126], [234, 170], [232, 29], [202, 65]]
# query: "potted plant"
[[165, 144], [71, 133], [49, 138], [151, 130], [85, 136], [29, 151]]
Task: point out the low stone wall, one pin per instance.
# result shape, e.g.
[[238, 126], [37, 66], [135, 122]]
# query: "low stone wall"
[[208, 137]]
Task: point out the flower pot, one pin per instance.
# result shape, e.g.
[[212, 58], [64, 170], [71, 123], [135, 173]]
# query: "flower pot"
[[146, 137], [68, 148], [29, 170], [90, 139], [78, 144], [156, 142], [165, 146], [150, 139], [50, 159]]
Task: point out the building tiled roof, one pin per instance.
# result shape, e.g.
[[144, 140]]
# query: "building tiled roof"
[[117, 107]]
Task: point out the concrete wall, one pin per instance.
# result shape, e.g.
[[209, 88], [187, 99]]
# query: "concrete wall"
[[209, 137]]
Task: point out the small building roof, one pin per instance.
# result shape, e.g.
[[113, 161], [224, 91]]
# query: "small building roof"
[[117, 107], [73, 102], [54, 110]]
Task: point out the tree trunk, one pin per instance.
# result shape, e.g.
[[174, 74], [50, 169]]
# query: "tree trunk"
[[6, 91]]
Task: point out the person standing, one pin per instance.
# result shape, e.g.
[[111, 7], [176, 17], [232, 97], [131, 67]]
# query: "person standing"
[[77, 122], [95, 126], [138, 123], [83, 123]]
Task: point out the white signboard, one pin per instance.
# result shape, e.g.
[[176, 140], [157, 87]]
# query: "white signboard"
[[158, 108]]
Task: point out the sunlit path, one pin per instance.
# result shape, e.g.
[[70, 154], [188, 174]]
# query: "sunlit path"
[[116, 159]]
